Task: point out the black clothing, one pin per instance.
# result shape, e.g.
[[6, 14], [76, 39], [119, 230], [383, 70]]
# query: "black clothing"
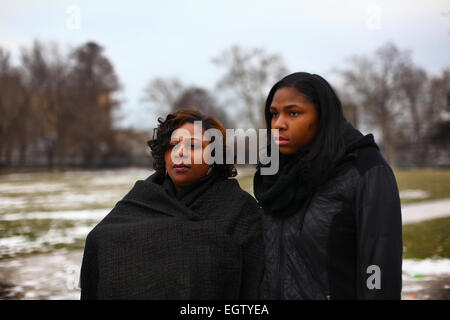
[[282, 193], [203, 242], [325, 250]]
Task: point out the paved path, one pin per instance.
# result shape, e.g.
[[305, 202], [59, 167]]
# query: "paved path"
[[416, 212]]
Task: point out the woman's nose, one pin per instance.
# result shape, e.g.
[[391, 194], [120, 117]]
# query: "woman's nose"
[[279, 123], [180, 151]]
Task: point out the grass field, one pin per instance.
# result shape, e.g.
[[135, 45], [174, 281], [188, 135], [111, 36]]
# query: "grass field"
[[428, 239], [434, 183], [42, 212]]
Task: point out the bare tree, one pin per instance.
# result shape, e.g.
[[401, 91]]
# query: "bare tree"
[[249, 77], [93, 82], [349, 107], [12, 94], [37, 118], [57, 106], [163, 93], [437, 118], [201, 99], [61, 105], [413, 95], [374, 80], [45, 72]]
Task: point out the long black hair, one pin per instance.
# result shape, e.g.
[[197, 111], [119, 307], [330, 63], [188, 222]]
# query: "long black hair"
[[328, 146]]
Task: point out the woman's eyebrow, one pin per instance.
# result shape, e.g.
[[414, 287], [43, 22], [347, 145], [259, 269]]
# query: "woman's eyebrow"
[[290, 106], [177, 139]]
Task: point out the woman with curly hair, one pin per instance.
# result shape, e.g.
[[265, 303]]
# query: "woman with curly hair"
[[186, 232]]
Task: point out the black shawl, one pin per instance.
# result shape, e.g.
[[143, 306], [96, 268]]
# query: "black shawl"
[[203, 242]]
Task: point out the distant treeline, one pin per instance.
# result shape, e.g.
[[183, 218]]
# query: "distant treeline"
[[385, 93], [59, 110]]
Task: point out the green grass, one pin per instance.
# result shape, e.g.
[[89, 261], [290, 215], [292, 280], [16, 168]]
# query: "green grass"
[[32, 228], [435, 182], [428, 239]]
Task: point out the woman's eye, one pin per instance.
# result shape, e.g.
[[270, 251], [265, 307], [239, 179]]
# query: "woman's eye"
[[274, 114], [294, 113]]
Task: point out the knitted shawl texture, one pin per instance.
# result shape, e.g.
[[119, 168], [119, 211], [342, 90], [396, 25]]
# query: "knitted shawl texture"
[[203, 242]]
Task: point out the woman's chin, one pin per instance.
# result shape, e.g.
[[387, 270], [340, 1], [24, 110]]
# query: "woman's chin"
[[286, 150], [182, 180]]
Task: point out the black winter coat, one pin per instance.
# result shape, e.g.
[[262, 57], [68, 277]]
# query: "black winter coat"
[[331, 248], [204, 242]]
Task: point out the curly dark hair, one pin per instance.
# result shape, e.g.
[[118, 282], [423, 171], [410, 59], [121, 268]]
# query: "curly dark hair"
[[162, 134]]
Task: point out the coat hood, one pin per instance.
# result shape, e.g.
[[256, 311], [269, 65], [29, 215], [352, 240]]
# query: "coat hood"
[[355, 140]]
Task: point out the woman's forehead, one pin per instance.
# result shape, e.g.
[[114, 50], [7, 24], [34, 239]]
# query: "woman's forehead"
[[188, 131]]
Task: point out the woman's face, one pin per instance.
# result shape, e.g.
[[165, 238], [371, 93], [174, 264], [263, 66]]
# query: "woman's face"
[[296, 119], [184, 147]]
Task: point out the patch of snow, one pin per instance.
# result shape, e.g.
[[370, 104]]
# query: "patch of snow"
[[413, 267], [50, 276], [20, 244], [417, 212], [31, 187], [65, 200], [413, 194], [94, 214]]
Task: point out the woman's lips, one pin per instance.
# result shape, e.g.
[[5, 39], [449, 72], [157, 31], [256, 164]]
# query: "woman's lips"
[[180, 168], [281, 141]]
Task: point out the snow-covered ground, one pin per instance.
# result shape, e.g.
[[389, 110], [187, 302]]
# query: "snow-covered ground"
[[55, 276], [52, 276], [73, 202], [41, 211], [92, 214], [412, 213], [426, 279], [413, 194]]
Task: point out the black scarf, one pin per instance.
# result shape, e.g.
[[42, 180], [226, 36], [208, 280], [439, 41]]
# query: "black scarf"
[[282, 194], [189, 194], [202, 242]]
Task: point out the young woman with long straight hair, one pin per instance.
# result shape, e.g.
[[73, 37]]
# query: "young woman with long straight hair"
[[332, 217]]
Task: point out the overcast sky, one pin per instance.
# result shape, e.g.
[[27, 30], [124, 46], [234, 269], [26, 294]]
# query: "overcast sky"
[[148, 39]]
